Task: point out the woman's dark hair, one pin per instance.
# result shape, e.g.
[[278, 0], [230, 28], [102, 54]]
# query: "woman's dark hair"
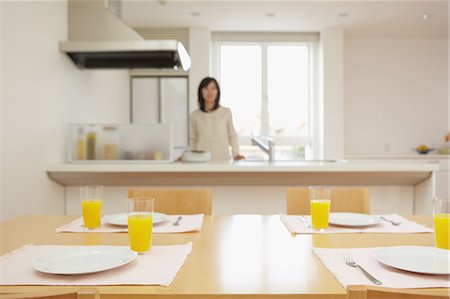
[[201, 101]]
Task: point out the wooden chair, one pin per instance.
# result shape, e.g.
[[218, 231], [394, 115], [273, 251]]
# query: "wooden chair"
[[354, 200], [175, 201], [66, 293], [369, 292]]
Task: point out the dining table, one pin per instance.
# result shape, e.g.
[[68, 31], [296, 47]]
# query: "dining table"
[[235, 256]]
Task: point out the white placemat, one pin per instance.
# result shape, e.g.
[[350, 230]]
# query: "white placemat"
[[158, 267], [296, 226], [390, 277], [188, 223]]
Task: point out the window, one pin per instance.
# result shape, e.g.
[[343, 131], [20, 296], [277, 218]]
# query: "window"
[[269, 87]]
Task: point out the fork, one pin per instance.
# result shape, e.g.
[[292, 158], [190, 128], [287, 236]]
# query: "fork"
[[177, 222], [396, 223], [350, 262], [306, 222]]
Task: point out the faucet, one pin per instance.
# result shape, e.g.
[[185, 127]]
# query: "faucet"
[[267, 144]]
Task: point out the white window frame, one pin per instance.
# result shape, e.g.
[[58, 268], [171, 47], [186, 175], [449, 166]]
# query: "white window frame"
[[311, 40]]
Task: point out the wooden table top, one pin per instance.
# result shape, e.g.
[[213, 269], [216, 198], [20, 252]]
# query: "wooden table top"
[[240, 256]]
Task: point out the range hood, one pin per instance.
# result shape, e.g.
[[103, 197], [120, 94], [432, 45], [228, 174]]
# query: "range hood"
[[99, 39]]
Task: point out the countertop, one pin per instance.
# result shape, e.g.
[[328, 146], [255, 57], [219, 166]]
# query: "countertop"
[[244, 173], [411, 156], [249, 166]]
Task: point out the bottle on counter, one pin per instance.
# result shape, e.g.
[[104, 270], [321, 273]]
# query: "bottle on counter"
[[157, 155], [81, 145], [91, 145], [444, 149], [110, 143]]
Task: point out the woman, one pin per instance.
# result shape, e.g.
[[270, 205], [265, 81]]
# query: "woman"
[[211, 126]]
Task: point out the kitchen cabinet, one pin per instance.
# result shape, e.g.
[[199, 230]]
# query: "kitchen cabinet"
[[162, 100]]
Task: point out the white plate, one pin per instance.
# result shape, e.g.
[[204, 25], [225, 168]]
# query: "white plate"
[[122, 219], [353, 219], [420, 259], [84, 259]]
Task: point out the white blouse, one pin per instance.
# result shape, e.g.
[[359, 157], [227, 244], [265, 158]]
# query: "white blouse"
[[213, 131]]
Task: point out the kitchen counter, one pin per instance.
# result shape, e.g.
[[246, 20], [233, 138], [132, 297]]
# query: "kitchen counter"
[[257, 186], [411, 156], [243, 173], [441, 176]]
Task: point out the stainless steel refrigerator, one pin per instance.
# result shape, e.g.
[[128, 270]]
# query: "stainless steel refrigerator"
[[162, 100]]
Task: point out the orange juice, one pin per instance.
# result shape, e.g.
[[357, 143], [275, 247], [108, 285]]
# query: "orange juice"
[[442, 230], [140, 231], [320, 209], [92, 212]]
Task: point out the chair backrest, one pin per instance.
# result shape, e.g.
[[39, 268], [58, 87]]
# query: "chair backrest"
[[390, 294], [371, 292], [66, 293], [177, 201], [354, 200]]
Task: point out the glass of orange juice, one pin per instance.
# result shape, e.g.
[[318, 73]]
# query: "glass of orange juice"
[[140, 222], [91, 205], [441, 216], [319, 203]]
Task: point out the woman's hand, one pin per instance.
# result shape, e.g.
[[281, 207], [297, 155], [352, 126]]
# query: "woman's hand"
[[238, 157]]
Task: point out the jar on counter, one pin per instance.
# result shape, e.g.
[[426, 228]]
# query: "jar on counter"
[[91, 145], [110, 143], [81, 145]]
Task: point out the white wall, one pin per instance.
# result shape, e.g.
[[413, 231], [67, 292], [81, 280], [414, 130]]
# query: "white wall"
[[43, 92], [199, 50], [332, 42], [2, 117], [395, 94]]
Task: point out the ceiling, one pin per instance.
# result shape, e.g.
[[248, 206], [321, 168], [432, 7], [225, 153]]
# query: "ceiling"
[[357, 18]]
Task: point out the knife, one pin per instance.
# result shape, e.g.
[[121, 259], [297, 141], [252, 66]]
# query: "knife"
[[307, 224]]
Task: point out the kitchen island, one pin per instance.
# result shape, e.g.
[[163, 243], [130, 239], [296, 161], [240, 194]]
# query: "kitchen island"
[[256, 186]]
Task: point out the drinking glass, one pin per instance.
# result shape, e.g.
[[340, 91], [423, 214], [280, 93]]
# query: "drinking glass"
[[319, 202], [140, 222], [441, 215], [91, 205]]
